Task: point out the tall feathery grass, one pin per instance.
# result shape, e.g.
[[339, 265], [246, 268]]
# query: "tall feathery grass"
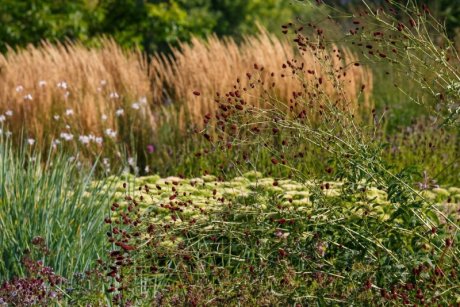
[[67, 94], [210, 67]]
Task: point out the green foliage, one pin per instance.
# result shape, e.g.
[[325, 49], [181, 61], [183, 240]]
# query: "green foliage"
[[52, 199], [150, 25], [177, 241], [23, 22], [364, 226], [449, 11]]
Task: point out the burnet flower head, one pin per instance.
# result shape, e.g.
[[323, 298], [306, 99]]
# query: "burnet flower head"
[[150, 148]]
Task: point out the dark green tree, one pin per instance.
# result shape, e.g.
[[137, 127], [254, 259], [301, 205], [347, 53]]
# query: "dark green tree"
[[24, 22], [148, 24]]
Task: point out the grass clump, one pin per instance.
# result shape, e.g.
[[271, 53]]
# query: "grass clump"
[[52, 200]]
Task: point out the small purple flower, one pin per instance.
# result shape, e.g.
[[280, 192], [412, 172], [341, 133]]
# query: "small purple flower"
[[150, 148]]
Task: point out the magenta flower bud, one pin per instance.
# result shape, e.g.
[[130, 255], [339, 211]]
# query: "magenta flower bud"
[[150, 148]]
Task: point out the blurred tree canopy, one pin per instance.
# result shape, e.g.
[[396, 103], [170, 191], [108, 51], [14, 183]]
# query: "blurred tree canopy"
[[153, 25], [148, 24], [23, 22]]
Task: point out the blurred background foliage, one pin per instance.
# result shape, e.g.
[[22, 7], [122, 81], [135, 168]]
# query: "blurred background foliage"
[[154, 25], [151, 25]]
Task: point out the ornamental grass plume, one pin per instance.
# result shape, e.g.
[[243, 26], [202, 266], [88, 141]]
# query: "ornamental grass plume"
[[211, 67], [53, 85], [66, 94]]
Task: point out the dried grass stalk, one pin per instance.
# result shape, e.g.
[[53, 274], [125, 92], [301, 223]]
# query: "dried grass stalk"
[[60, 77]]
